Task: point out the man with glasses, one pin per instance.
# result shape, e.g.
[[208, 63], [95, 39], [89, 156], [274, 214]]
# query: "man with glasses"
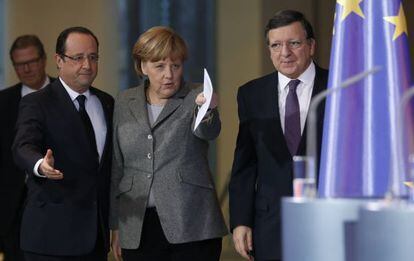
[[272, 113], [63, 142], [29, 60]]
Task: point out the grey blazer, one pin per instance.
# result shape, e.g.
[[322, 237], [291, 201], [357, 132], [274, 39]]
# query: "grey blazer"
[[170, 157]]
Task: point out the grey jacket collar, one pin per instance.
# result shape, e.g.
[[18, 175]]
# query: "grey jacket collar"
[[138, 103]]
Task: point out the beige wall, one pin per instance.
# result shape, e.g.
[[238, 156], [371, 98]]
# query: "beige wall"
[[47, 18], [238, 60]]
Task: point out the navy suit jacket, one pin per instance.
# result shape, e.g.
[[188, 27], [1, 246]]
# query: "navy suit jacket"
[[61, 217], [12, 179], [262, 167]]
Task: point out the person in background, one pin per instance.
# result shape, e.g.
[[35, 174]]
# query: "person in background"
[[63, 142], [272, 115], [163, 200], [29, 61]]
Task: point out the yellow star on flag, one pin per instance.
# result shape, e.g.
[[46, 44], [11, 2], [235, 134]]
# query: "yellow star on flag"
[[409, 184], [399, 22], [350, 6]]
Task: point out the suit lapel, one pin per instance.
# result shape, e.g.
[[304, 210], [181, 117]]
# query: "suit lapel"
[[172, 104], [138, 107], [64, 101], [272, 93]]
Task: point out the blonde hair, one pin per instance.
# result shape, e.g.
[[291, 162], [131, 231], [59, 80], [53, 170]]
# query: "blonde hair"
[[158, 43]]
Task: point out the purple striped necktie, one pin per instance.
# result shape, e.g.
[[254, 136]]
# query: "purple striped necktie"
[[292, 118]]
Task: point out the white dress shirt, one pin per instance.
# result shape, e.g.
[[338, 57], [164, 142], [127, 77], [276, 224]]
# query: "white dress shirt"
[[95, 112], [303, 91], [26, 89]]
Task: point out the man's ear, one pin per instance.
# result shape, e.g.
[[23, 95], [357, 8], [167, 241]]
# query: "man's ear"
[[312, 43], [59, 61]]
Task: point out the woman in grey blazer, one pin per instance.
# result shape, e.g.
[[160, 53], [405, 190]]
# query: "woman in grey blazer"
[[163, 201]]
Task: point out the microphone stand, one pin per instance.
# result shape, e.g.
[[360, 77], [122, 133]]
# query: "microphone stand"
[[394, 185]]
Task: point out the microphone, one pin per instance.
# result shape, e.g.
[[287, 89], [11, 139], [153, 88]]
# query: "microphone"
[[311, 147], [394, 185]]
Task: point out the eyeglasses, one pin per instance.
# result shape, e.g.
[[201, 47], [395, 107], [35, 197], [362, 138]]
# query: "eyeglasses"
[[81, 58], [30, 63], [291, 45]]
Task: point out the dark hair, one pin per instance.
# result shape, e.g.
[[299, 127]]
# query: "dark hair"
[[25, 41], [287, 17], [63, 36]]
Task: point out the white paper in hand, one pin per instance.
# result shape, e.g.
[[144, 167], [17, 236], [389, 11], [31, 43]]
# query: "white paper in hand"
[[208, 93]]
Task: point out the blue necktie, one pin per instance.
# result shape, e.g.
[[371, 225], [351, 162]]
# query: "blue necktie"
[[292, 118], [87, 122]]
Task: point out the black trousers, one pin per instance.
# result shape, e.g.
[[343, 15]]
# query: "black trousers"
[[94, 256], [10, 245], [98, 254], [155, 247], [10, 242]]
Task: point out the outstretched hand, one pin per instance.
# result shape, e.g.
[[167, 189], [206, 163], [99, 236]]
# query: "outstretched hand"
[[47, 167]]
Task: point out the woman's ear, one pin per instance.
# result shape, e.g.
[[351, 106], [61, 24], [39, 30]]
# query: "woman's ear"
[[144, 67]]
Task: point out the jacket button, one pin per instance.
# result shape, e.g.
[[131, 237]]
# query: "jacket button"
[[149, 176], [149, 136], [149, 156]]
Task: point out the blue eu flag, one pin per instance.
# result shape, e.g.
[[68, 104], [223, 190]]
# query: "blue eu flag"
[[360, 141]]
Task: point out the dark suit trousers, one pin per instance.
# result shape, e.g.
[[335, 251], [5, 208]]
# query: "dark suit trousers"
[[10, 245], [155, 247], [98, 253], [10, 242]]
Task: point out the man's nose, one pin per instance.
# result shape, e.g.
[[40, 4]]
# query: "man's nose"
[[285, 50], [86, 62], [26, 67]]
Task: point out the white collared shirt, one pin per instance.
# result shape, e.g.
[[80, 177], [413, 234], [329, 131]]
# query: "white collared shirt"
[[26, 89], [303, 91], [95, 112]]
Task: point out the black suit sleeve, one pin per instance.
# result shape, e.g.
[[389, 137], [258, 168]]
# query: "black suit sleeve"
[[243, 176], [27, 146]]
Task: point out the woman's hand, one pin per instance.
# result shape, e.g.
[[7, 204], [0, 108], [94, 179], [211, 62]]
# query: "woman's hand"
[[116, 248], [200, 100]]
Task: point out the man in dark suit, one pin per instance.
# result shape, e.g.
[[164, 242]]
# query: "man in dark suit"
[[63, 143], [272, 113], [29, 61]]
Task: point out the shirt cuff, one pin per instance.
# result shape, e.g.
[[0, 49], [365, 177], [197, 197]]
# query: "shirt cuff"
[[36, 167]]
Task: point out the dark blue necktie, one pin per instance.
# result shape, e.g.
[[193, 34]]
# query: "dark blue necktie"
[[87, 122], [292, 118]]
